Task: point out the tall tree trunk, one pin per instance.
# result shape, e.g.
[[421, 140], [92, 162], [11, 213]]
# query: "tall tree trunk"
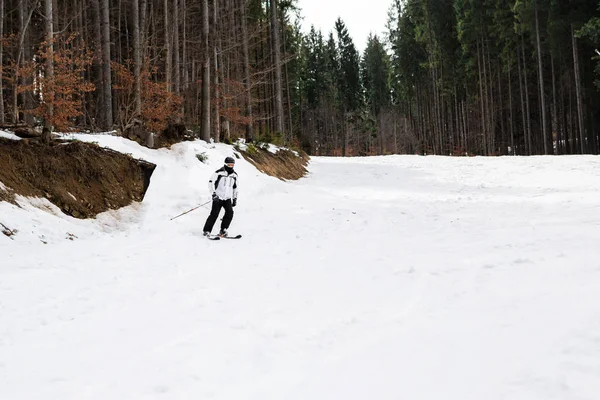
[[205, 127], [486, 98], [289, 129], [168, 55], [97, 64], [345, 140], [457, 126], [578, 91], [55, 20], [465, 120], [277, 64], [482, 101], [501, 111], [143, 28], [1, 62], [528, 115], [555, 121], [49, 96], [83, 119], [137, 58], [523, 108], [177, 66], [20, 49], [107, 103], [491, 118], [246, 70], [184, 48], [541, 80], [217, 117], [572, 141], [510, 115], [225, 65], [118, 54]]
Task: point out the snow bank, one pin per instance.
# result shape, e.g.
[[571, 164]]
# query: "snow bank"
[[9, 135], [178, 183]]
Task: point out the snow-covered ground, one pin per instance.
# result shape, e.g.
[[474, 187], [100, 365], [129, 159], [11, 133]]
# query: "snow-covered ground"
[[402, 277], [8, 135]]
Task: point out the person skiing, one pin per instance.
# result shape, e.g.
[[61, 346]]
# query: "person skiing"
[[224, 189]]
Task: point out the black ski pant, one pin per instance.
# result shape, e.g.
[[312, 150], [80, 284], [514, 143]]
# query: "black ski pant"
[[214, 214]]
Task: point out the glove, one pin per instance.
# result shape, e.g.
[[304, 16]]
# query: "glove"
[[215, 197], [234, 203]]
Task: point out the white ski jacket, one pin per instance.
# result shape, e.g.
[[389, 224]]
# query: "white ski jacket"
[[223, 184]]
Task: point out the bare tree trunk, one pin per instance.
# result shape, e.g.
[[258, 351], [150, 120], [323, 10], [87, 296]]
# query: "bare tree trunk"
[[184, 55], [345, 140], [176, 49], [137, 58], [55, 20], [501, 111], [458, 126], [482, 103], [217, 119], [246, 70], [107, 103], [541, 81], [523, 108], [465, 111], [49, 96], [1, 62], [510, 106], [143, 27], [277, 61], [578, 91], [97, 63], [81, 120], [572, 141], [289, 129], [528, 114], [489, 98], [555, 121], [224, 121], [168, 56], [16, 81], [396, 134], [562, 115], [205, 127]]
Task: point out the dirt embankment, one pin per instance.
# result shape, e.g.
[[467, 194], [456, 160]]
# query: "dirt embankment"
[[284, 164], [81, 179]]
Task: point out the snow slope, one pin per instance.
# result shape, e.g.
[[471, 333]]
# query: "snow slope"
[[397, 277]]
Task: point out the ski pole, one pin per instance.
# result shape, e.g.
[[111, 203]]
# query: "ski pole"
[[188, 211]]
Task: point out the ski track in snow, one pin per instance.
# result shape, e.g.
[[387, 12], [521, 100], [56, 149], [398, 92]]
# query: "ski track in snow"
[[398, 277]]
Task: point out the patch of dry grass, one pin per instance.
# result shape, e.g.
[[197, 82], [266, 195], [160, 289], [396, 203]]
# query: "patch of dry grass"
[[7, 195]]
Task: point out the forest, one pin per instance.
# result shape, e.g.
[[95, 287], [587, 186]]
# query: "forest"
[[447, 77]]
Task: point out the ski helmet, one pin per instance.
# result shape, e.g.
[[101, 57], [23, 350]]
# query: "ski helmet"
[[229, 160]]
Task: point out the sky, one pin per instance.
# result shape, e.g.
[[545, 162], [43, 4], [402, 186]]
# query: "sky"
[[361, 18]]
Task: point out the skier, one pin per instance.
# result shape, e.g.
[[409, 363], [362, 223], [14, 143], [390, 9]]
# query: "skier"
[[223, 186]]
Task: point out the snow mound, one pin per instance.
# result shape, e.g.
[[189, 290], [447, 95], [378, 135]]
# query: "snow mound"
[[178, 183], [9, 135]]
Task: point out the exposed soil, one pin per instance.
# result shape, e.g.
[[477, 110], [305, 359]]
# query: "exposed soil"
[[172, 134], [7, 195], [82, 179], [285, 164]]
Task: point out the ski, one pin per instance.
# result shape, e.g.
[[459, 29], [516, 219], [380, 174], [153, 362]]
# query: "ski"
[[217, 237]]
